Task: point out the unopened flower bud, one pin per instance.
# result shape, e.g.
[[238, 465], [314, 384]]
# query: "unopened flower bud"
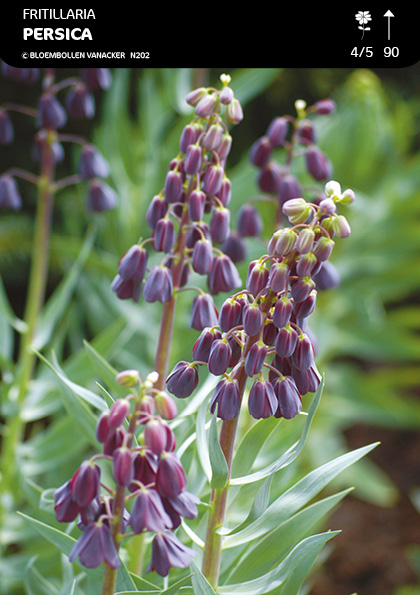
[[347, 197], [102, 427], [193, 97], [279, 277], [255, 359], [226, 399], [257, 277], [189, 136], [341, 226], [213, 137], [183, 379], [170, 478], [202, 346], [220, 224], [327, 207], [133, 264], [196, 205], [202, 257], [219, 357], [213, 179], [158, 437], [156, 210], [51, 114], [252, 319], [282, 312], [306, 264], [203, 312], [225, 145], [207, 105], [323, 248], [305, 133], [262, 400], [302, 288], [230, 314], [80, 102], [128, 378], [306, 307], [123, 466], [226, 95], [317, 164], [294, 207], [277, 131], [249, 223], [9, 193], [193, 159], [303, 355], [324, 106], [165, 405], [92, 163], [305, 240], [158, 286], [101, 197], [118, 413], [225, 193], [260, 152], [173, 186], [286, 341], [234, 113], [164, 235], [282, 242]]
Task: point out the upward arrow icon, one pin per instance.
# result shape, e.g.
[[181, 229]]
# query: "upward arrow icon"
[[389, 14]]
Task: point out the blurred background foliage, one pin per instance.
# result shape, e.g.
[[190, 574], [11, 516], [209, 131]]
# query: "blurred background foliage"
[[367, 329]]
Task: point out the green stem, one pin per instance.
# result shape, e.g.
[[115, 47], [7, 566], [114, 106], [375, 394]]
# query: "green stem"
[[212, 553], [34, 302]]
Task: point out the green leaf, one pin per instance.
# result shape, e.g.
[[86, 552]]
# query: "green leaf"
[[290, 455], [308, 548], [219, 466], [200, 584], [295, 497]]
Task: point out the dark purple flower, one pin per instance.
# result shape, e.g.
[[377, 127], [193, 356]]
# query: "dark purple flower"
[[260, 152], [234, 247], [317, 164], [262, 400], [327, 277], [114, 440], [92, 163], [158, 286], [323, 248], [286, 341], [306, 307], [277, 131], [289, 399], [196, 205], [85, 483], [156, 210], [303, 355], [145, 468], [213, 137], [43, 142], [96, 546], [173, 186], [324, 106], [6, 128], [51, 114], [288, 188], [202, 257], [148, 512], [66, 508], [226, 398], [189, 136], [252, 319], [249, 222], [101, 197], [223, 275], [193, 159], [168, 552], [269, 177], [202, 346], [213, 179], [257, 277], [158, 436], [255, 359], [219, 357], [230, 314], [203, 312], [305, 133], [279, 277], [302, 288], [220, 225], [123, 467], [185, 504], [206, 104], [97, 78], [164, 235], [133, 264], [9, 193], [80, 102], [183, 379], [126, 290], [282, 312], [170, 477]]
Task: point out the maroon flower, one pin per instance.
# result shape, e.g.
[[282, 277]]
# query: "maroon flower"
[[219, 357], [148, 512], [66, 508], [183, 379], [288, 396], [203, 312], [170, 477], [158, 286], [167, 552], [85, 483], [227, 399], [262, 400], [96, 546]]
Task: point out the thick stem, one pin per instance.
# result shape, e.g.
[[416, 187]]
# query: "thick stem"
[[212, 553]]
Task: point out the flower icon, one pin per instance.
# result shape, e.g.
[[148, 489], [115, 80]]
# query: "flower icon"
[[363, 17]]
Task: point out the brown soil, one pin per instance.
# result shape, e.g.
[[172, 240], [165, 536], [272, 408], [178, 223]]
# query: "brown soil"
[[369, 555]]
